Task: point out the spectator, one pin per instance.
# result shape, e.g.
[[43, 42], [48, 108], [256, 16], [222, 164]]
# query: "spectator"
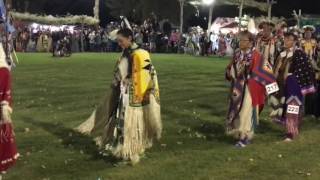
[[92, 38]]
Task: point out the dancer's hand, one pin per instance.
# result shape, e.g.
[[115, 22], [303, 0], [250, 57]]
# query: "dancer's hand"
[[6, 113], [228, 74]]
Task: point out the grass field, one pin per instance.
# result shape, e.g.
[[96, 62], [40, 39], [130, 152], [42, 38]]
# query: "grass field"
[[53, 96]]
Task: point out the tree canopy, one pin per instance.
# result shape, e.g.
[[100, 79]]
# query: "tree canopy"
[[262, 6], [141, 9]]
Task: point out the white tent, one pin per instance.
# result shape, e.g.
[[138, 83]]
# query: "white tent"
[[227, 25]]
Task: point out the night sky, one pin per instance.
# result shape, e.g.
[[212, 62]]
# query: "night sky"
[[282, 8], [285, 7]]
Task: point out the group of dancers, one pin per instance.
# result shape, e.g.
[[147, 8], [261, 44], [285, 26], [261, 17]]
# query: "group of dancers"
[[282, 71], [128, 120]]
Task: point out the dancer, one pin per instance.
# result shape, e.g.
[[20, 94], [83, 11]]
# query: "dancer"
[[129, 119], [295, 77], [8, 150], [266, 43], [249, 75], [222, 46], [309, 45]]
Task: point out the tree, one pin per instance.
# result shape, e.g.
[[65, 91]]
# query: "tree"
[[27, 5], [55, 7], [240, 3], [181, 2], [246, 3], [96, 9], [127, 8], [138, 10]]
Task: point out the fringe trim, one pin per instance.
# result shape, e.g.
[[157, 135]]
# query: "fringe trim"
[[277, 107], [133, 135], [4, 102], [243, 126], [238, 134], [141, 126], [87, 126], [152, 117], [292, 127], [308, 90], [10, 160]]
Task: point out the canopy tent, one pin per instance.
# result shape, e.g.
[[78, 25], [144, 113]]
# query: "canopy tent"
[[65, 20], [311, 20], [226, 25]]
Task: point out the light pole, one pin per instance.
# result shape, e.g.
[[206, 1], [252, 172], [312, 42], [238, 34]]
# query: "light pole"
[[298, 17], [81, 36], [270, 3], [240, 13], [210, 4], [181, 14], [96, 9]]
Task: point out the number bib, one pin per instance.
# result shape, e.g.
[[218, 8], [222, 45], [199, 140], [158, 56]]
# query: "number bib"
[[272, 88], [293, 109]]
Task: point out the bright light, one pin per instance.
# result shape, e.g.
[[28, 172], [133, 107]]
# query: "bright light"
[[207, 2], [195, 3], [40, 27]]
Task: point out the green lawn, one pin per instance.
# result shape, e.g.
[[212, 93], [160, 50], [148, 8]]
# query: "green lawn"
[[53, 96]]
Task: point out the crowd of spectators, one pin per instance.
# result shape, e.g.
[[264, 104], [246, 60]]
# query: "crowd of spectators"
[[150, 35]]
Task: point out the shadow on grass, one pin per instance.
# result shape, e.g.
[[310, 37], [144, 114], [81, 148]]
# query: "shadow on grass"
[[310, 122], [267, 127], [73, 139], [213, 131]]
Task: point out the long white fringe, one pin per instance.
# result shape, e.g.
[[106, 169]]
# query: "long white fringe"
[[87, 126], [141, 126]]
